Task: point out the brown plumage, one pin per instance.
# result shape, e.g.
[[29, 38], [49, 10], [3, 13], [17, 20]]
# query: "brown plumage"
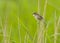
[[37, 16]]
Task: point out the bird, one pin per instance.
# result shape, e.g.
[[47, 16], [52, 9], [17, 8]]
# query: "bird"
[[37, 16]]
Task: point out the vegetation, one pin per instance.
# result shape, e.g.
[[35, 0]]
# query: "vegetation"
[[17, 24]]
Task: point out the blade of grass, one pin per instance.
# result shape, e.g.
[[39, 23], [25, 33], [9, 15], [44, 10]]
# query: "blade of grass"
[[34, 38], [26, 29], [55, 29], [57, 25], [46, 31], [10, 34], [40, 29], [26, 38], [5, 23], [19, 30]]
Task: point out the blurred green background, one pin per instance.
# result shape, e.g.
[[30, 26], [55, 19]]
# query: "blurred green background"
[[18, 25]]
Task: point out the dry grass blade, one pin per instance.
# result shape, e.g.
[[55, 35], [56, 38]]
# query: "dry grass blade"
[[5, 23], [40, 29]]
